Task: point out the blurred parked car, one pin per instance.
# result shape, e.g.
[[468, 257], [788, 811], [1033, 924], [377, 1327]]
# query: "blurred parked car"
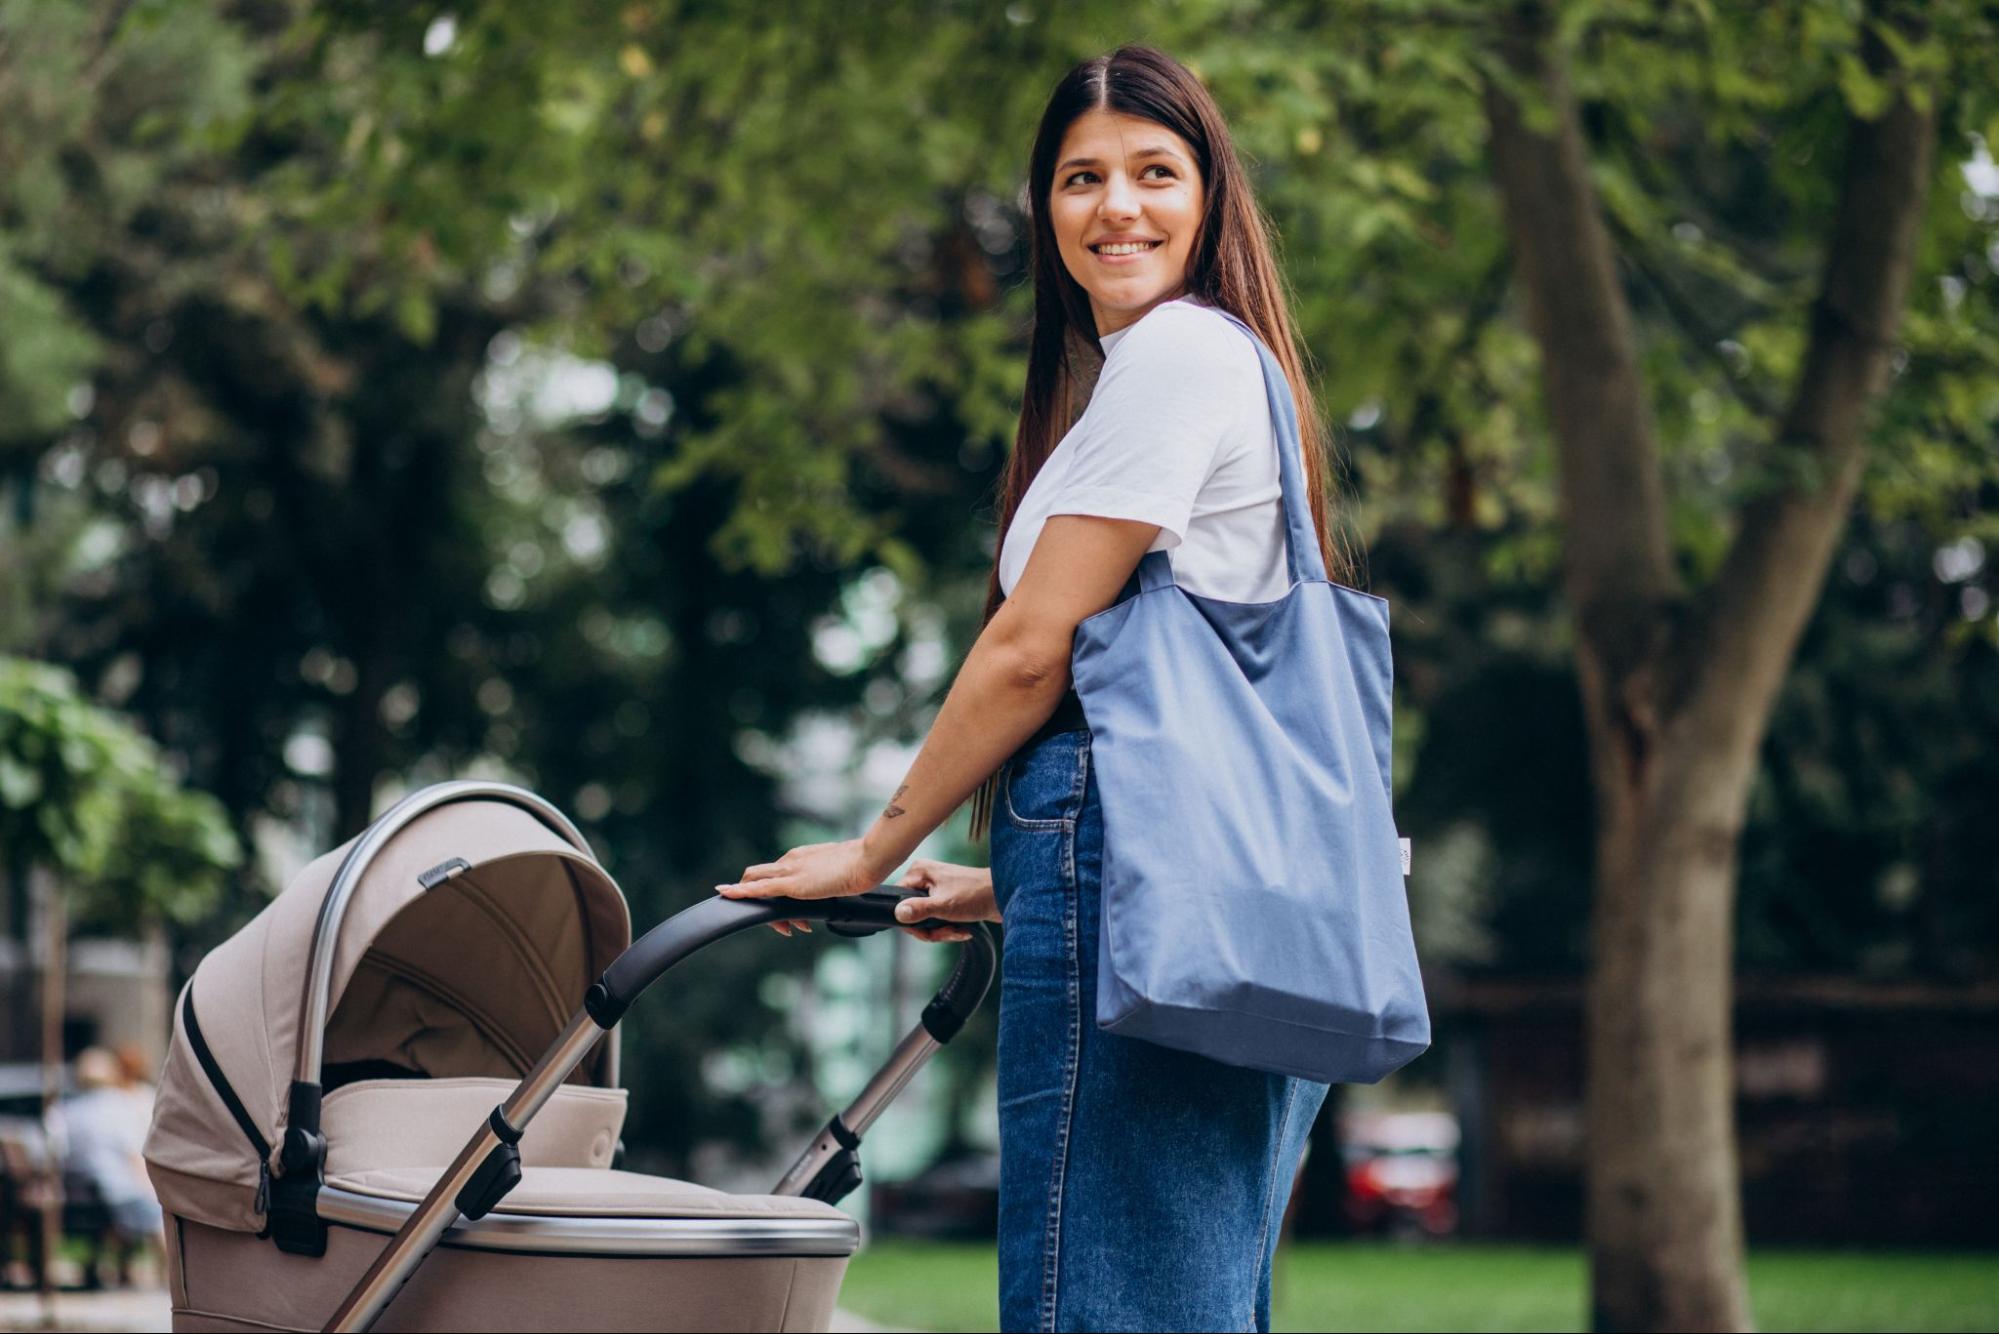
[[1402, 1172]]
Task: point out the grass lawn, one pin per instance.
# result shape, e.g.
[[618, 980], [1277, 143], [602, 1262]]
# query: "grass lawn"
[[1377, 1286]]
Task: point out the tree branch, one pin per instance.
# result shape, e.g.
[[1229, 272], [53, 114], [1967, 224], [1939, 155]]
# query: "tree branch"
[[1619, 569], [1429, 414], [1706, 336], [1748, 621]]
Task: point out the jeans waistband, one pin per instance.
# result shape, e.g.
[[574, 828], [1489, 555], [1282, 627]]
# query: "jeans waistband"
[[1068, 717]]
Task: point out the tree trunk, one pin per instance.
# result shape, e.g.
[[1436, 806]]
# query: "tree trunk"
[[1663, 1199], [1678, 689], [55, 974]]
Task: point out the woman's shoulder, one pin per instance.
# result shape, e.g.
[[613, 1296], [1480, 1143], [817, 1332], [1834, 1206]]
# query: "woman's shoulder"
[[1187, 336]]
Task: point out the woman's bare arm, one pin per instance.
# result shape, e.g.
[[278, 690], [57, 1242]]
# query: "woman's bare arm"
[[1014, 676]]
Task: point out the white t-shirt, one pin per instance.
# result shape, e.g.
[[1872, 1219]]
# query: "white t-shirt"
[[1177, 433]]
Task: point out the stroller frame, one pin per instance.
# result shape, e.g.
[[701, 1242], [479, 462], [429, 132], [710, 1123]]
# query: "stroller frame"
[[489, 1164]]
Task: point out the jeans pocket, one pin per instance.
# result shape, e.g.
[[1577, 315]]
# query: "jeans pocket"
[[1044, 788]]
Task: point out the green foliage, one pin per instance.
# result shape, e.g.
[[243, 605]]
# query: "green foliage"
[[282, 286], [85, 795], [107, 108], [37, 371]]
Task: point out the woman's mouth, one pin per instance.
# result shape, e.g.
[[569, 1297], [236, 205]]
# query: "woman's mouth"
[[1124, 252]]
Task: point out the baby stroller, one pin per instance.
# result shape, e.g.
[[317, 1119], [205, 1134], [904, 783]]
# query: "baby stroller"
[[407, 1053]]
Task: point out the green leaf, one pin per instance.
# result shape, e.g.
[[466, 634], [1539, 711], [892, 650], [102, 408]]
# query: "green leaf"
[[20, 786], [1866, 95]]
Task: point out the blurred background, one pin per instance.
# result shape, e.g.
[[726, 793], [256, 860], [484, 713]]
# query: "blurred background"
[[609, 398]]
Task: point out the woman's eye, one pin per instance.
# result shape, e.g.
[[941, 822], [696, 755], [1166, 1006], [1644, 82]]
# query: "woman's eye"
[[1157, 166]]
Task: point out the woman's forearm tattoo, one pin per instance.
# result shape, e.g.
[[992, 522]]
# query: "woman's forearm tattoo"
[[893, 809]]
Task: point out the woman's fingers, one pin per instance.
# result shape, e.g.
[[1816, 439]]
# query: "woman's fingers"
[[944, 895], [938, 935], [948, 906], [761, 887], [755, 882]]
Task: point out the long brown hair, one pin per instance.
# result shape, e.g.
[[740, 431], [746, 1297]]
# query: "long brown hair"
[[1232, 267]]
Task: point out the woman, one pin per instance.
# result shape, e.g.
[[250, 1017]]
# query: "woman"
[[1140, 1187]]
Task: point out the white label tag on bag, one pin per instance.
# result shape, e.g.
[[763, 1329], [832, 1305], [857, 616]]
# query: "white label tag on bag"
[[1405, 854]]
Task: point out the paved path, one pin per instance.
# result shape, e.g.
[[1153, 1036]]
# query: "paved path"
[[142, 1309], [147, 1310]]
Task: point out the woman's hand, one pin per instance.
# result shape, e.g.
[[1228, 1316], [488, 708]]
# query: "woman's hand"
[[809, 871], [953, 893]]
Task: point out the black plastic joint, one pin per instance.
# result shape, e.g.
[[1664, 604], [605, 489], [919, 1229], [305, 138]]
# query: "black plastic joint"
[[302, 1106], [502, 1127], [602, 1006], [842, 1136], [941, 1020], [292, 1213], [838, 1179], [303, 1154], [500, 1173], [293, 1223]]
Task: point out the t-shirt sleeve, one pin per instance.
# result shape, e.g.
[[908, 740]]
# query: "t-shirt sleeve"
[[1168, 395]]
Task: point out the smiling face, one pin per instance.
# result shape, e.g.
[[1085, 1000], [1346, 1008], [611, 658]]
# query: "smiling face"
[[1119, 179]]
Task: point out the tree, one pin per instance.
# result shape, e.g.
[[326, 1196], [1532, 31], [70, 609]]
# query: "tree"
[[87, 797], [88, 810], [1678, 684], [90, 807]]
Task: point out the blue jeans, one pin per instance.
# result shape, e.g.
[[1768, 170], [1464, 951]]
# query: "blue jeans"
[[1140, 1187]]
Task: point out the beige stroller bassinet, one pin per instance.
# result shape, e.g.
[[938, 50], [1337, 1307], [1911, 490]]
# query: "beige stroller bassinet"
[[401, 1055]]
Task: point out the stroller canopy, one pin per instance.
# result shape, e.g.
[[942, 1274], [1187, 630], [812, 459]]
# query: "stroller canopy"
[[453, 938]]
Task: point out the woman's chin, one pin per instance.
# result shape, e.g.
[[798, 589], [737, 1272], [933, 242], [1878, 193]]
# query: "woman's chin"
[[1130, 298]]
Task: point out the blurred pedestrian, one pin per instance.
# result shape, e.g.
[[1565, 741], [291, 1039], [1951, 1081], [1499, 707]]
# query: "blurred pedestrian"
[[100, 1131]]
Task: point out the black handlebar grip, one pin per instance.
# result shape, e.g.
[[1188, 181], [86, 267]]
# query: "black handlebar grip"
[[712, 919], [965, 988]]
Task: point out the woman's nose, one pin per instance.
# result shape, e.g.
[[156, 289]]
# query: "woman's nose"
[[1120, 199]]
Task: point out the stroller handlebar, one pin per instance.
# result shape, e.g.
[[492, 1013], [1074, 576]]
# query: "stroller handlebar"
[[852, 915]]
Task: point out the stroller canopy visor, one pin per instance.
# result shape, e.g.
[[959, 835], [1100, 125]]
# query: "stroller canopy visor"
[[457, 946]]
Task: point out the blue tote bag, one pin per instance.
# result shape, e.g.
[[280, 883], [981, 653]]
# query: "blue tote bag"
[[1253, 902]]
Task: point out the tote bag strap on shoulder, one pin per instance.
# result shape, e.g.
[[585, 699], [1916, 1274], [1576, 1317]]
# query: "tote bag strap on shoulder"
[[1303, 558]]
